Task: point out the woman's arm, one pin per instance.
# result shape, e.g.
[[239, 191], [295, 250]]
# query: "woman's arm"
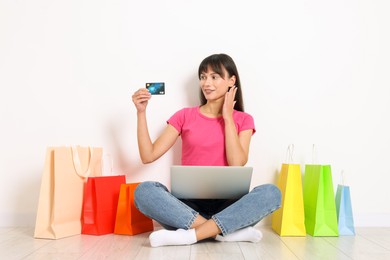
[[237, 145], [149, 151]]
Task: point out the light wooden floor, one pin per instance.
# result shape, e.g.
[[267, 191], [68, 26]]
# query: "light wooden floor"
[[369, 243]]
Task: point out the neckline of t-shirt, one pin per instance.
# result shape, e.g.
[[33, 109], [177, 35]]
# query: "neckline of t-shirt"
[[206, 117]]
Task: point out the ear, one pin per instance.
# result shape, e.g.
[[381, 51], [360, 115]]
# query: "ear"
[[232, 80]]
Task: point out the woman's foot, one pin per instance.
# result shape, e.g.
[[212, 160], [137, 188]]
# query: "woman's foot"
[[172, 237], [248, 234]]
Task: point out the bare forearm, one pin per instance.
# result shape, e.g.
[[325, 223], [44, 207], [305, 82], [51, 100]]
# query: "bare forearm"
[[235, 154], [150, 151], [145, 145]]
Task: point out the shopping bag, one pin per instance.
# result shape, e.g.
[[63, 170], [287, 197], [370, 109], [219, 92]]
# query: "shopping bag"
[[319, 202], [62, 186], [344, 211], [289, 219], [100, 204], [129, 220]]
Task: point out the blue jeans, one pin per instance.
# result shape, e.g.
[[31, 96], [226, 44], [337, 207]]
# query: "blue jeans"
[[155, 201]]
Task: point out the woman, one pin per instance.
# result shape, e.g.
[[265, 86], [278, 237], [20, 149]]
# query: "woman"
[[218, 132]]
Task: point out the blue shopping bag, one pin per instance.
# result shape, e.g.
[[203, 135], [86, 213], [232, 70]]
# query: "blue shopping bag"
[[344, 211]]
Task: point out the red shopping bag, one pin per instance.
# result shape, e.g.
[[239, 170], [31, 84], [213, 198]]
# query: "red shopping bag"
[[100, 204], [129, 220]]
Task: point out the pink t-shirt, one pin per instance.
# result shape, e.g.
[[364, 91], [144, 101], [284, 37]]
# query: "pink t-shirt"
[[203, 138]]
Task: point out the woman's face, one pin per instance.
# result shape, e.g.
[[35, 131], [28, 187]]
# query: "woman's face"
[[213, 85]]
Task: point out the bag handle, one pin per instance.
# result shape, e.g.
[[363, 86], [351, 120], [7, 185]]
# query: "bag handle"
[[342, 176], [314, 155], [77, 163], [109, 171], [289, 153]]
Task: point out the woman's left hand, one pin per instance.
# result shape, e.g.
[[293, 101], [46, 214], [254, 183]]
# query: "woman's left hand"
[[229, 102]]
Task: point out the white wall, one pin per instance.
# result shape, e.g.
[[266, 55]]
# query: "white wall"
[[312, 72]]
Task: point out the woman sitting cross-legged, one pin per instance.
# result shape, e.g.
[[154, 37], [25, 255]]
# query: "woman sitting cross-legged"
[[216, 133]]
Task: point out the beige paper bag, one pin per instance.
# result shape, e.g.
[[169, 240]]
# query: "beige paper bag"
[[60, 201]]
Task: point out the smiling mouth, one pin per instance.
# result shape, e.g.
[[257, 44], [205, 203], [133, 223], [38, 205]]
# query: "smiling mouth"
[[208, 91]]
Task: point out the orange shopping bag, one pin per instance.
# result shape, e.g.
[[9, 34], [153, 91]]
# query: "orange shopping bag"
[[129, 220]]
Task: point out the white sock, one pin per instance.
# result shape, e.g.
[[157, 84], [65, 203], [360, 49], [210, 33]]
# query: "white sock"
[[249, 234], [178, 237]]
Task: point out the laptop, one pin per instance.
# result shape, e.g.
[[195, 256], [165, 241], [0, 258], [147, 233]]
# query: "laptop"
[[210, 182]]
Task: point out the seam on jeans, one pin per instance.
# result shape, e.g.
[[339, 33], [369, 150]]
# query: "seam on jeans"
[[190, 210], [250, 223], [268, 212], [219, 224], [188, 226]]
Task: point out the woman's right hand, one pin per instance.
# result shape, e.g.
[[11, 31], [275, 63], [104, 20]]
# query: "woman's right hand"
[[141, 98]]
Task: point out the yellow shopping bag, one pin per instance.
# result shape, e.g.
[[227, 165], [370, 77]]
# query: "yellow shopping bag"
[[289, 219]]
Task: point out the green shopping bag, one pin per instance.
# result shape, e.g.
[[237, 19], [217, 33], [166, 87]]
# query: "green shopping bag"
[[319, 202]]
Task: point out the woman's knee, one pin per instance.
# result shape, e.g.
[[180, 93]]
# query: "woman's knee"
[[276, 193], [270, 192], [144, 192]]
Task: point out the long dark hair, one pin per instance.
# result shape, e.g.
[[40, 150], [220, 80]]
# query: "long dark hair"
[[217, 62]]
